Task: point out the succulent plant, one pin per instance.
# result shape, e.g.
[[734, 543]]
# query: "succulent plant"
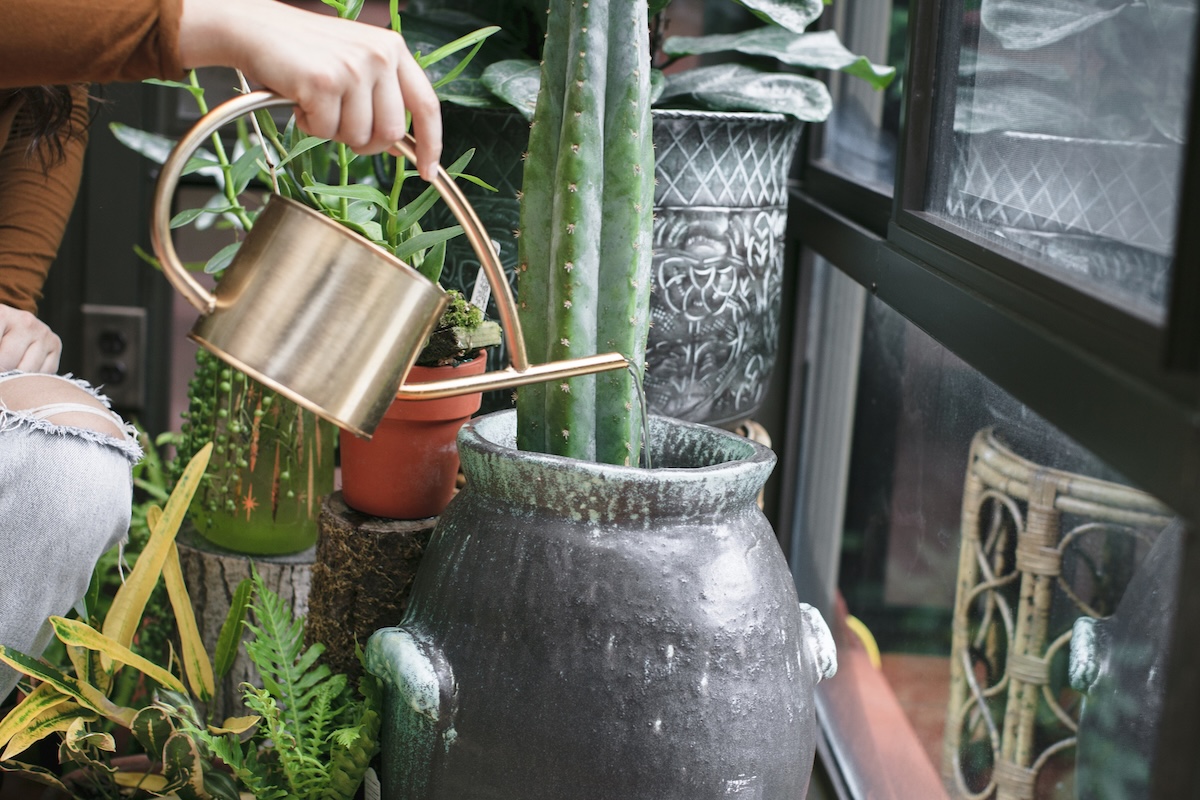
[[586, 217]]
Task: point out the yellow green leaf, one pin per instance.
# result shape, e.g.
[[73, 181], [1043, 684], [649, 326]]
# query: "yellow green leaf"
[[38, 702], [141, 780], [78, 737], [196, 665], [74, 632], [84, 693], [56, 720], [235, 725], [39, 774], [130, 602]]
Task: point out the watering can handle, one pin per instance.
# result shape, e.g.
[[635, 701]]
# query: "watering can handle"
[[518, 373]]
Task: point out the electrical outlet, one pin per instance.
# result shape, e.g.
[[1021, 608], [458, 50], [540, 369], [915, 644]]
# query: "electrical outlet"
[[114, 353]]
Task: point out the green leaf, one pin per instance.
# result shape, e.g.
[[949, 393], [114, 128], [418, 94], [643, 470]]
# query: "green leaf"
[[232, 629], [405, 249], [475, 39], [794, 15], [361, 211], [515, 81], [56, 720], [245, 168], [195, 91], [434, 261], [182, 769], [219, 785], [86, 694], [480, 182], [35, 773], [39, 701], [470, 93], [371, 230], [185, 217], [412, 213], [199, 163], [356, 191], [815, 51], [734, 87], [658, 82], [152, 727], [222, 258], [151, 145], [74, 632], [302, 146]]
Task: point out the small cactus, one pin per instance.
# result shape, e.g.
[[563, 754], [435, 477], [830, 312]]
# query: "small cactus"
[[586, 219]]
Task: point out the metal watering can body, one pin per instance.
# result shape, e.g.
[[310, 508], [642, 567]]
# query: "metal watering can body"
[[326, 318]]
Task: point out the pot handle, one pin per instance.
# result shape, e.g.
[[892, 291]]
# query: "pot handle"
[[1089, 645], [818, 642], [164, 191]]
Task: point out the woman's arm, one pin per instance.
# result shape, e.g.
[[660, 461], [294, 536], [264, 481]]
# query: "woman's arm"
[[351, 81]]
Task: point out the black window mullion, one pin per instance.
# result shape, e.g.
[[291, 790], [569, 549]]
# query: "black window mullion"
[[1182, 347]]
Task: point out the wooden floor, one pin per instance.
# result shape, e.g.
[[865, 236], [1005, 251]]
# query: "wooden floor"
[[922, 687]]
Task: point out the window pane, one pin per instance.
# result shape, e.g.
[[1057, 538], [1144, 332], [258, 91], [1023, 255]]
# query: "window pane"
[[860, 135], [1068, 130], [975, 536]]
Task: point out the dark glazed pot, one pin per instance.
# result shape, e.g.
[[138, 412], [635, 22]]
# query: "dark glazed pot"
[[587, 631]]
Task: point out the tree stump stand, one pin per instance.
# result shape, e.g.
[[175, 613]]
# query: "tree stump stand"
[[361, 579], [212, 575]]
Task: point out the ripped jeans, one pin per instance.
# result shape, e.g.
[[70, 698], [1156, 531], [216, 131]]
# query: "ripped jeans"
[[65, 498]]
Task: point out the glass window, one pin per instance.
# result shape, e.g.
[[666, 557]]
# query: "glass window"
[[1068, 128], [973, 539], [859, 138]]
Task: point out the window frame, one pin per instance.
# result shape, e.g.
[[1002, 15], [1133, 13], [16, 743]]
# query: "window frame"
[[1122, 384]]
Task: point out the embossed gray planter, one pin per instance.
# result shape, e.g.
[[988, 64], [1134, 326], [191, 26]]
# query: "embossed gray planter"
[[593, 632], [721, 203]]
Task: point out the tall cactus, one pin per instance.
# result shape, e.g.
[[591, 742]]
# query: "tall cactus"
[[586, 217]]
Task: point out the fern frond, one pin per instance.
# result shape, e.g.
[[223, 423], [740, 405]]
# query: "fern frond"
[[323, 714], [254, 775], [289, 672], [352, 748], [298, 771]]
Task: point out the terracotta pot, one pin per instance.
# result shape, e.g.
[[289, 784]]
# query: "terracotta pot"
[[408, 468]]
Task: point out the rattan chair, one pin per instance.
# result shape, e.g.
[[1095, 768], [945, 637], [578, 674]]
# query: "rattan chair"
[[1018, 520]]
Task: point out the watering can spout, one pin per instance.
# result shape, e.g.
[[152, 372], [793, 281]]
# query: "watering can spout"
[[325, 317]]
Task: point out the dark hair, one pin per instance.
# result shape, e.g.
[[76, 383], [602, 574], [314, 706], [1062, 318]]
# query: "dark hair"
[[45, 118]]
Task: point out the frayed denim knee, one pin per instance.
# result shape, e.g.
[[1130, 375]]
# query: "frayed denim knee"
[[65, 498]]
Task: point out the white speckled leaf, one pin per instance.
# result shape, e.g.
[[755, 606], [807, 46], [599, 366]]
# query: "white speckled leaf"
[[821, 50], [795, 15], [515, 81], [734, 87]]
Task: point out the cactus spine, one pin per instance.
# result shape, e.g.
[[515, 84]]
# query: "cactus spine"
[[586, 217]]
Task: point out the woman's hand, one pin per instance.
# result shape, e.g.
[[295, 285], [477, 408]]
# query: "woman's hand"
[[26, 343], [351, 81]]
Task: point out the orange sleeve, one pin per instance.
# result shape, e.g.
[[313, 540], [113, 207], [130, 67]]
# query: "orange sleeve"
[[88, 41], [35, 204]]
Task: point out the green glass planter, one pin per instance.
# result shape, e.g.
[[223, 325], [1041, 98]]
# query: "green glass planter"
[[272, 463]]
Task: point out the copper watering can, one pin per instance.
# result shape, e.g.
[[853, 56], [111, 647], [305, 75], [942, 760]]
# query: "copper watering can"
[[324, 317]]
